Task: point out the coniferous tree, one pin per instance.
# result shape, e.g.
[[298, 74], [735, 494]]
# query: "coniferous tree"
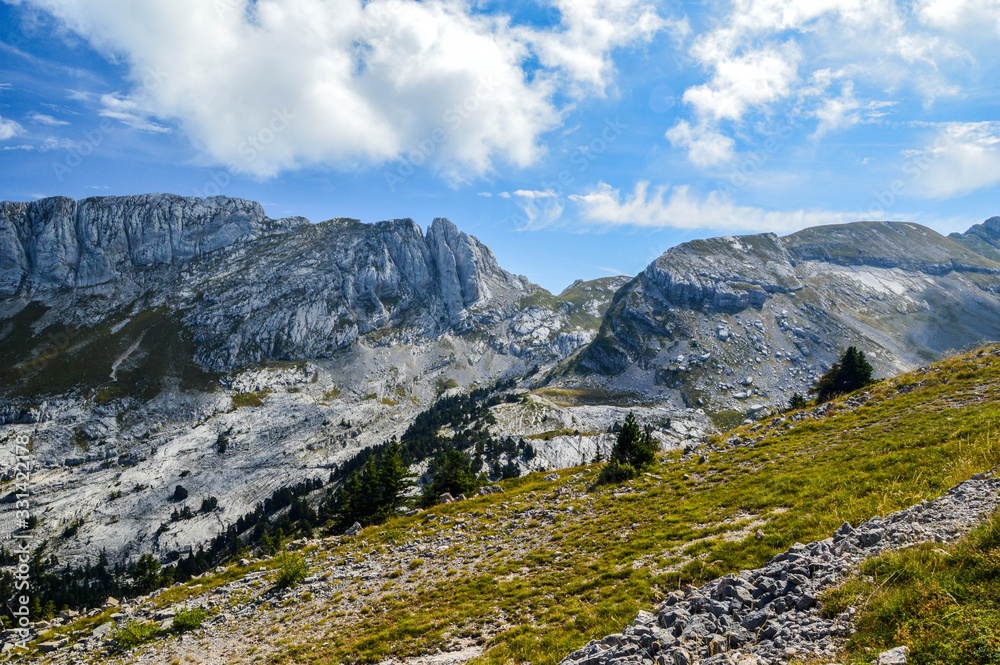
[[450, 472], [796, 402], [852, 372], [634, 450]]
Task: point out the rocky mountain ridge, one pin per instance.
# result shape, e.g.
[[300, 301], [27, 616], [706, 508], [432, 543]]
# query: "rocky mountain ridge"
[[737, 321], [136, 331]]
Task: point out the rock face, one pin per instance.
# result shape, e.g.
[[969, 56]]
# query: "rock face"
[[58, 242], [139, 332], [708, 314], [249, 288]]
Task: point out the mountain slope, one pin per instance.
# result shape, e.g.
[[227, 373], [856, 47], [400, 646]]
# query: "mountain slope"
[[535, 573], [137, 332], [732, 322]]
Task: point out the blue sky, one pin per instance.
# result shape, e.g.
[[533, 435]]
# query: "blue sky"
[[577, 138]]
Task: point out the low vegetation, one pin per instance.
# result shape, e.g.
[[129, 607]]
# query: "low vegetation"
[[292, 570], [943, 602], [189, 619]]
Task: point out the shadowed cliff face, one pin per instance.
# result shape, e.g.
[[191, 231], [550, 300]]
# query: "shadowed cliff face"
[[738, 321]]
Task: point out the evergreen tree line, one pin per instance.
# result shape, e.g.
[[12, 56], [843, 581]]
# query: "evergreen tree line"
[[378, 484]]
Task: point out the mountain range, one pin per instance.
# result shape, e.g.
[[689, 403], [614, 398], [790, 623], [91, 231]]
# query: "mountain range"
[[136, 332]]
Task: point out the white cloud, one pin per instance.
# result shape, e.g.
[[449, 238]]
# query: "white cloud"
[[537, 213], [963, 157], [50, 143], [42, 119], [739, 82], [276, 84], [129, 112], [782, 56], [706, 147], [678, 208], [9, 129], [590, 29], [952, 14], [535, 194], [846, 110]]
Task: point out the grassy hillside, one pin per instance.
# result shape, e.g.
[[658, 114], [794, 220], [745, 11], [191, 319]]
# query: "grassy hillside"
[[534, 573]]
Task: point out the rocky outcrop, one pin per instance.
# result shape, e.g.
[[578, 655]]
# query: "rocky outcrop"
[[249, 288], [770, 615], [984, 239]]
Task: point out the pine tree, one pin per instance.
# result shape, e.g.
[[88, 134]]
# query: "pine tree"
[[796, 402], [450, 472], [634, 450], [852, 372]]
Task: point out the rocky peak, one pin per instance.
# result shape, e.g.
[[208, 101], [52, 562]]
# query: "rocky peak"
[[886, 245], [58, 242], [467, 271]]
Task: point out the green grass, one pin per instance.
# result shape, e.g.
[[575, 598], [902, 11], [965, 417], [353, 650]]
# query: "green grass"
[[546, 586], [250, 399], [60, 358], [629, 550], [941, 602]]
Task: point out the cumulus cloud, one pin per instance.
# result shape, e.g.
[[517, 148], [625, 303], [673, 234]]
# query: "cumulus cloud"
[[963, 157], [276, 84], [9, 128], [678, 208], [768, 56], [589, 30], [706, 147], [951, 14], [739, 82]]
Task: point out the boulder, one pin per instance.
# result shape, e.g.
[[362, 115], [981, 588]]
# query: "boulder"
[[354, 530], [896, 656]]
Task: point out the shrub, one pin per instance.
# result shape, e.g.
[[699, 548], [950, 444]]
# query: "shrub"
[[186, 620], [292, 569], [616, 472], [209, 503], [796, 402], [179, 493], [134, 633]]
